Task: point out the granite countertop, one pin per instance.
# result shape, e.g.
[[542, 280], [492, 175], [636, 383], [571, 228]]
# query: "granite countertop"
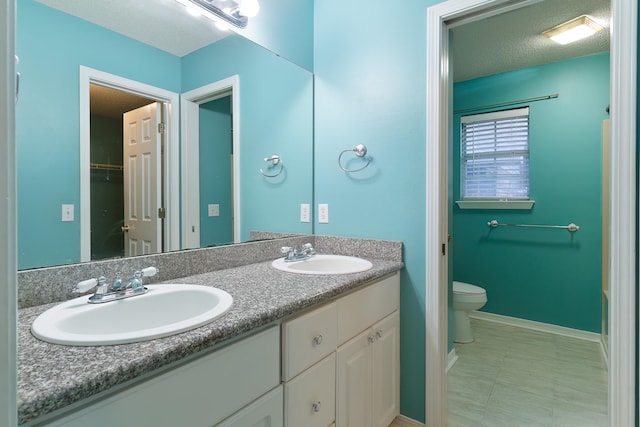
[[53, 376]]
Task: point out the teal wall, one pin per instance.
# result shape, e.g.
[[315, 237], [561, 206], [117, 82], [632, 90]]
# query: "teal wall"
[[276, 117], [370, 88], [285, 27], [47, 123], [215, 172], [545, 275], [52, 46]]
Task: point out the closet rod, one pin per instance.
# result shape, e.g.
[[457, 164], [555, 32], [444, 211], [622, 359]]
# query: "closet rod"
[[105, 166], [508, 103]]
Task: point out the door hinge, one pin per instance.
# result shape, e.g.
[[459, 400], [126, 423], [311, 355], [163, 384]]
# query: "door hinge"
[[161, 213], [162, 127]]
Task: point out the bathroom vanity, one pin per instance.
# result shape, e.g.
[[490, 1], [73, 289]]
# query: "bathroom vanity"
[[293, 350]]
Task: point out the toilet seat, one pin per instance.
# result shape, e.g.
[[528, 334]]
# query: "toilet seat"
[[462, 288]]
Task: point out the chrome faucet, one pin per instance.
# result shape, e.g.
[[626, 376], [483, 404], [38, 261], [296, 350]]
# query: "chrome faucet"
[[119, 289], [293, 254]]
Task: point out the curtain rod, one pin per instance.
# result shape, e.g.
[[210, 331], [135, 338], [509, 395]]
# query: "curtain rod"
[[506, 104]]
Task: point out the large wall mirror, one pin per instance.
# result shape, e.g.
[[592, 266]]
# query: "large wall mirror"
[[86, 90]]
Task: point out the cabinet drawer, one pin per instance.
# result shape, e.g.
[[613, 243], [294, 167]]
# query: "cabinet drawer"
[[200, 393], [308, 339], [361, 309], [264, 412], [310, 399]]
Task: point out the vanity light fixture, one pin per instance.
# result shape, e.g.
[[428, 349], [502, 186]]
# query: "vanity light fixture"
[[573, 30], [234, 12]]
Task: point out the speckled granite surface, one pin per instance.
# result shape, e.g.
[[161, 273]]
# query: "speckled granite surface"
[[53, 376], [53, 284]]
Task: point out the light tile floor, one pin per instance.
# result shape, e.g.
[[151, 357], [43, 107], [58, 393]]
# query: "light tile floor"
[[515, 377]]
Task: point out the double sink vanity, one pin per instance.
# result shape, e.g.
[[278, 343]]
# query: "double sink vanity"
[[303, 343]]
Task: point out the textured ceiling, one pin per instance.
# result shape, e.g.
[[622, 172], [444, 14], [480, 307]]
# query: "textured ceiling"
[[514, 39], [504, 42], [165, 24], [112, 103]]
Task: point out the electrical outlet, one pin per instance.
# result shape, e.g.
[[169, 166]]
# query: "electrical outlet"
[[214, 210], [67, 213], [305, 214], [323, 213]]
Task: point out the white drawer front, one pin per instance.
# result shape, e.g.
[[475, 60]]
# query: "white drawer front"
[[308, 339], [264, 412], [361, 309], [310, 398], [200, 393]]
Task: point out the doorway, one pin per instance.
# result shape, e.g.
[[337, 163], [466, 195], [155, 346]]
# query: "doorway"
[[107, 181], [216, 171], [623, 221], [196, 213], [170, 182]]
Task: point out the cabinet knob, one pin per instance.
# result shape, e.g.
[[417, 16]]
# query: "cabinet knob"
[[317, 340], [316, 406], [379, 333], [372, 339]]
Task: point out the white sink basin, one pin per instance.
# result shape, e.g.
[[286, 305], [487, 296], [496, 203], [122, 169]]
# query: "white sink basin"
[[164, 310], [324, 264]]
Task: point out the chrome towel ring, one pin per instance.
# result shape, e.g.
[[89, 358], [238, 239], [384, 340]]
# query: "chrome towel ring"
[[275, 161], [360, 150]]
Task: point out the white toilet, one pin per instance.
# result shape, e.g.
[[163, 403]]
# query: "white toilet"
[[466, 298]]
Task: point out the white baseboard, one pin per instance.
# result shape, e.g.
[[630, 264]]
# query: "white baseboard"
[[604, 351], [537, 326], [452, 358], [402, 421]]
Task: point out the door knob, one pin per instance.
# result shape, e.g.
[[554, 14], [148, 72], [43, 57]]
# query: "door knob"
[[124, 228]]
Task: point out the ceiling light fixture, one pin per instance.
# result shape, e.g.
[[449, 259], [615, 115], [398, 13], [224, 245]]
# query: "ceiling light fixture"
[[571, 31], [234, 12]]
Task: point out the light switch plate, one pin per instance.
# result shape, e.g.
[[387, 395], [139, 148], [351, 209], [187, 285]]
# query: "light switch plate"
[[323, 213], [67, 213], [214, 209], [305, 215]]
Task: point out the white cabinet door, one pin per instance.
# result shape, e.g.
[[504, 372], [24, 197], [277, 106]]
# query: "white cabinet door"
[[264, 412], [353, 394], [386, 370]]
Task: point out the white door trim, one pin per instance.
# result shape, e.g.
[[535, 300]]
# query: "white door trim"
[[190, 150], [171, 164], [8, 251], [622, 371]]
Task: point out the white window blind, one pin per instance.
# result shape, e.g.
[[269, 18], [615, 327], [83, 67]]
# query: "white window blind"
[[495, 155]]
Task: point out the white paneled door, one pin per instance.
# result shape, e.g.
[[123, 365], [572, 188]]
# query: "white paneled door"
[[142, 190]]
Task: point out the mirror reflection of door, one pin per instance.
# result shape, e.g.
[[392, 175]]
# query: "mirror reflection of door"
[[107, 180], [142, 196], [216, 170]]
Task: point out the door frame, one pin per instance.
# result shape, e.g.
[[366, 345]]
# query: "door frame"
[[171, 161], [190, 134], [8, 215], [623, 221]]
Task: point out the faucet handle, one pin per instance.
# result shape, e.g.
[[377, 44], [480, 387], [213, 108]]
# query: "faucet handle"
[[85, 286], [308, 247], [149, 271], [285, 249]]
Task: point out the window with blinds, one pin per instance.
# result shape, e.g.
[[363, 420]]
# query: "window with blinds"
[[494, 152]]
